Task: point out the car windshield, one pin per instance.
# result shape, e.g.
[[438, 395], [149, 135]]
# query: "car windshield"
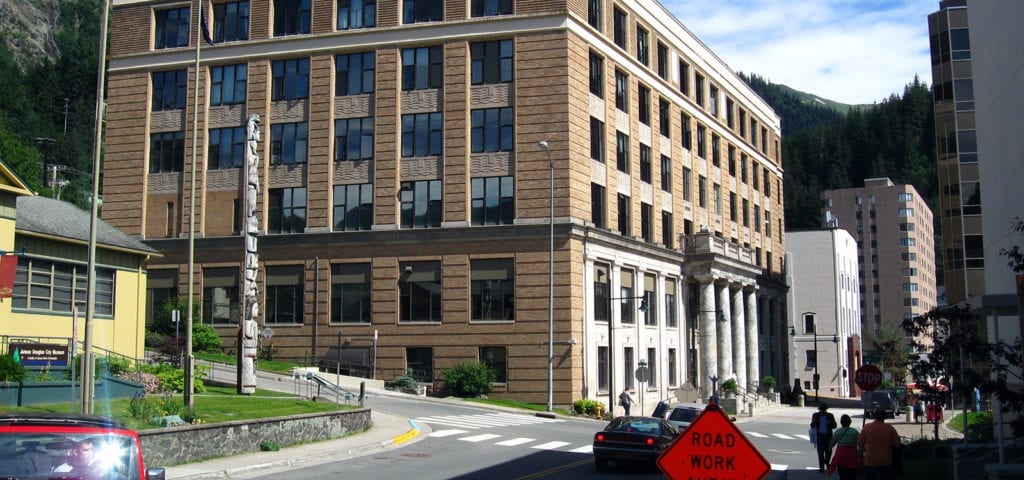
[[68, 455], [683, 414], [639, 425]]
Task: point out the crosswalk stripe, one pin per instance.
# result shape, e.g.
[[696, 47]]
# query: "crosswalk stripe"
[[782, 436], [446, 433], [583, 449], [487, 420], [779, 466], [550, 445], [515, 441], [758, 435], [480, 438]]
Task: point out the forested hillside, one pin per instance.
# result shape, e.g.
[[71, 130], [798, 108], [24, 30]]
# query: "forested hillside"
[[823, 149]]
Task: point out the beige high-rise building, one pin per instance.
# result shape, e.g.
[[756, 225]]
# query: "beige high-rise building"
[[895, 243], [411, 151]]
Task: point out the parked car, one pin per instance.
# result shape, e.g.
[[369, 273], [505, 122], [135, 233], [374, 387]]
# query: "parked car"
[[882, 399], [633, 440], [70, 446], [682, 414]]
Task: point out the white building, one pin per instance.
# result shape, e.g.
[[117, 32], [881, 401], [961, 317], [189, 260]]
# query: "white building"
[[824, 295]]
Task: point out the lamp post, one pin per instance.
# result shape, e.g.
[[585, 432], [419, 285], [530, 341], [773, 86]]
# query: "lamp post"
[[551, 274], [814, 331]]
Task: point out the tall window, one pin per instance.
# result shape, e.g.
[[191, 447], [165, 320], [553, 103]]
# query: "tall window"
[[671, 319], [767, 183], [422, 68], [673, 368], [284, 294], [596, 140], [486, 8], [743, 167], [228, 83], [172, 27], [287, 212], [717, 198], [169, 90], [627, 302], [420, 291], [226, 149], [493, 289], [647, 222], [493, 201], [53, 287], [702, 191], [746, 212], [420, 362], [357, 14], [664, 122], [491, 62], [602, 369], [619, 26], [622, 152], [353, 139], [166, 152], [643, 46], [754, 170], [596, 75], [684, 78], [702, 149], [288, 143], [757, 218], [662, 61], [161, 286], [732, 160], [715, 151], [415, 11], [602, 293], [666, 173], [652, 365], [733, 207], [491, 130], [685, 133], [220, 295], [698, 89], [231, 21], [730, 118], [421, 204], [621, 91], [421, 134], [645, 163], [628, 366], [291, 17], [350, 293], [497, 359], [594, 13], [687, 190], [644, 107], [353, 207], [624, 215], [290, 79], [666, 230], [598, 213], [355, 73], [713, 100]]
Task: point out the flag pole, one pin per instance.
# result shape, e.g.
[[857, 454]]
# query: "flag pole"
[[188, 366]]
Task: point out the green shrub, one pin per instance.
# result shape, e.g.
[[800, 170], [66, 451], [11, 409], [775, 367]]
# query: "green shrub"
[[730, 387], [404, 384], [269, 446], [585, 406], [768, 383], [11, 370], [205, 339], [469, 379], [172, 379]]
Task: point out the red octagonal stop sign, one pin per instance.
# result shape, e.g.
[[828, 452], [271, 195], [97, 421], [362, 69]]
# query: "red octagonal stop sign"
[[712, 447], [868, 377]]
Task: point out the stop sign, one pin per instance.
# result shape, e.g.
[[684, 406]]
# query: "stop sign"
[[868, 377]]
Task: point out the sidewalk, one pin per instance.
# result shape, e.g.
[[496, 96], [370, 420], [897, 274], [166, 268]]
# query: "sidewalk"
[[388, 431]]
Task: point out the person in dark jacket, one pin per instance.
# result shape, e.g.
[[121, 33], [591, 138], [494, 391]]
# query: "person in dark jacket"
[[824, 423]]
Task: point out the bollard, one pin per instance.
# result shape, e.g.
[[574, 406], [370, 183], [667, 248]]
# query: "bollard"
[[750, 408], [799, 400], [908, 414]]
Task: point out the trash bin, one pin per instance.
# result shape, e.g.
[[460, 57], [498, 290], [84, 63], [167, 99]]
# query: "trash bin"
[[799, 400], [660, 410]]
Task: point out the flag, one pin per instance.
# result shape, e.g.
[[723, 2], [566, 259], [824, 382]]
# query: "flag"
[[205, 25], [8, 266]]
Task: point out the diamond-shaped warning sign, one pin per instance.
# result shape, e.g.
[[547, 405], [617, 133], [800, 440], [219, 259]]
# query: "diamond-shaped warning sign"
[[712, 447]]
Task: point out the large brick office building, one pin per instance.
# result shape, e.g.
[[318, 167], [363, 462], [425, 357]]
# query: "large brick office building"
[[405, 193]]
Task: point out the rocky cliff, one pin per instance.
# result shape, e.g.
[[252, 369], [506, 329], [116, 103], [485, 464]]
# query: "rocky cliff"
[[27, 28]]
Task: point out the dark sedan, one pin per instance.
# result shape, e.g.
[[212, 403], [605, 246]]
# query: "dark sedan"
[[632, 440]]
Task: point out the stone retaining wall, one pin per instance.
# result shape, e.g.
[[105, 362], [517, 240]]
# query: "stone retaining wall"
[[191, 443]]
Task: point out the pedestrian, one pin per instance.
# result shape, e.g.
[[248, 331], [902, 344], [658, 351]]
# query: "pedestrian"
[[823, 424], [844, 442], [626, 400], [977, 399], [878, 445], [918, 410]]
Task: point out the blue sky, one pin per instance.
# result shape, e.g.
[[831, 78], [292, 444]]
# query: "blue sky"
[[851, 51]]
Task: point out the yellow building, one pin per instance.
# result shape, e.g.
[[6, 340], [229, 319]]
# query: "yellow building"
[[51, 239]]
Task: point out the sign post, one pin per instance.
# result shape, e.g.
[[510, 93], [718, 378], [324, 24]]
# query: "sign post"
[[713, 447]]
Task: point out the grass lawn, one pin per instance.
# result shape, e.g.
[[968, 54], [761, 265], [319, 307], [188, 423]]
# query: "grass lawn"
[[217, 404], [275, 366]]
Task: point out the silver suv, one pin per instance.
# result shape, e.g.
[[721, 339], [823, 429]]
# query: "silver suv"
[[682, 414]]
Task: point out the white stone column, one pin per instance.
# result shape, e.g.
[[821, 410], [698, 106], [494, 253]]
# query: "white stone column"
[[753, 352], [708, 345], [725, 369], [739, 338]]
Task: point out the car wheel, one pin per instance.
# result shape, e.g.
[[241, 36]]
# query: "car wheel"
[[601, 463]]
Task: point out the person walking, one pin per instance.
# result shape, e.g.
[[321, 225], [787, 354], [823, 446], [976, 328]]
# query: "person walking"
[[844, 443], [626, 400], [875, 445], [824, 423]]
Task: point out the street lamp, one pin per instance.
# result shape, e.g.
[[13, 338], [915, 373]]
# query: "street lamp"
[[809, 318], [551, 274]]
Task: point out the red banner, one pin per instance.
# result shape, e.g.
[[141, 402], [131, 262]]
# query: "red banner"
[[8, 266]]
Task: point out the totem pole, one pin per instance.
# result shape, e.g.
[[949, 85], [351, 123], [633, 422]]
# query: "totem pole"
[[248, 329]]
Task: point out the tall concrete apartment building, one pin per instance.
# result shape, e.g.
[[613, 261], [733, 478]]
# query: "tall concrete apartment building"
[[895, 245], [411, 151], [976, 67]]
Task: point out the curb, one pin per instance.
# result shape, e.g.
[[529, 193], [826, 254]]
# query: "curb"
[[405, 437]]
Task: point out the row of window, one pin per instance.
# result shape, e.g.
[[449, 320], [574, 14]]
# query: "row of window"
[[231, 20], [47, 286], [629, 364]]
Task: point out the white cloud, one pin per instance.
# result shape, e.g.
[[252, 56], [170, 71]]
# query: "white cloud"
[[852, 51]]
